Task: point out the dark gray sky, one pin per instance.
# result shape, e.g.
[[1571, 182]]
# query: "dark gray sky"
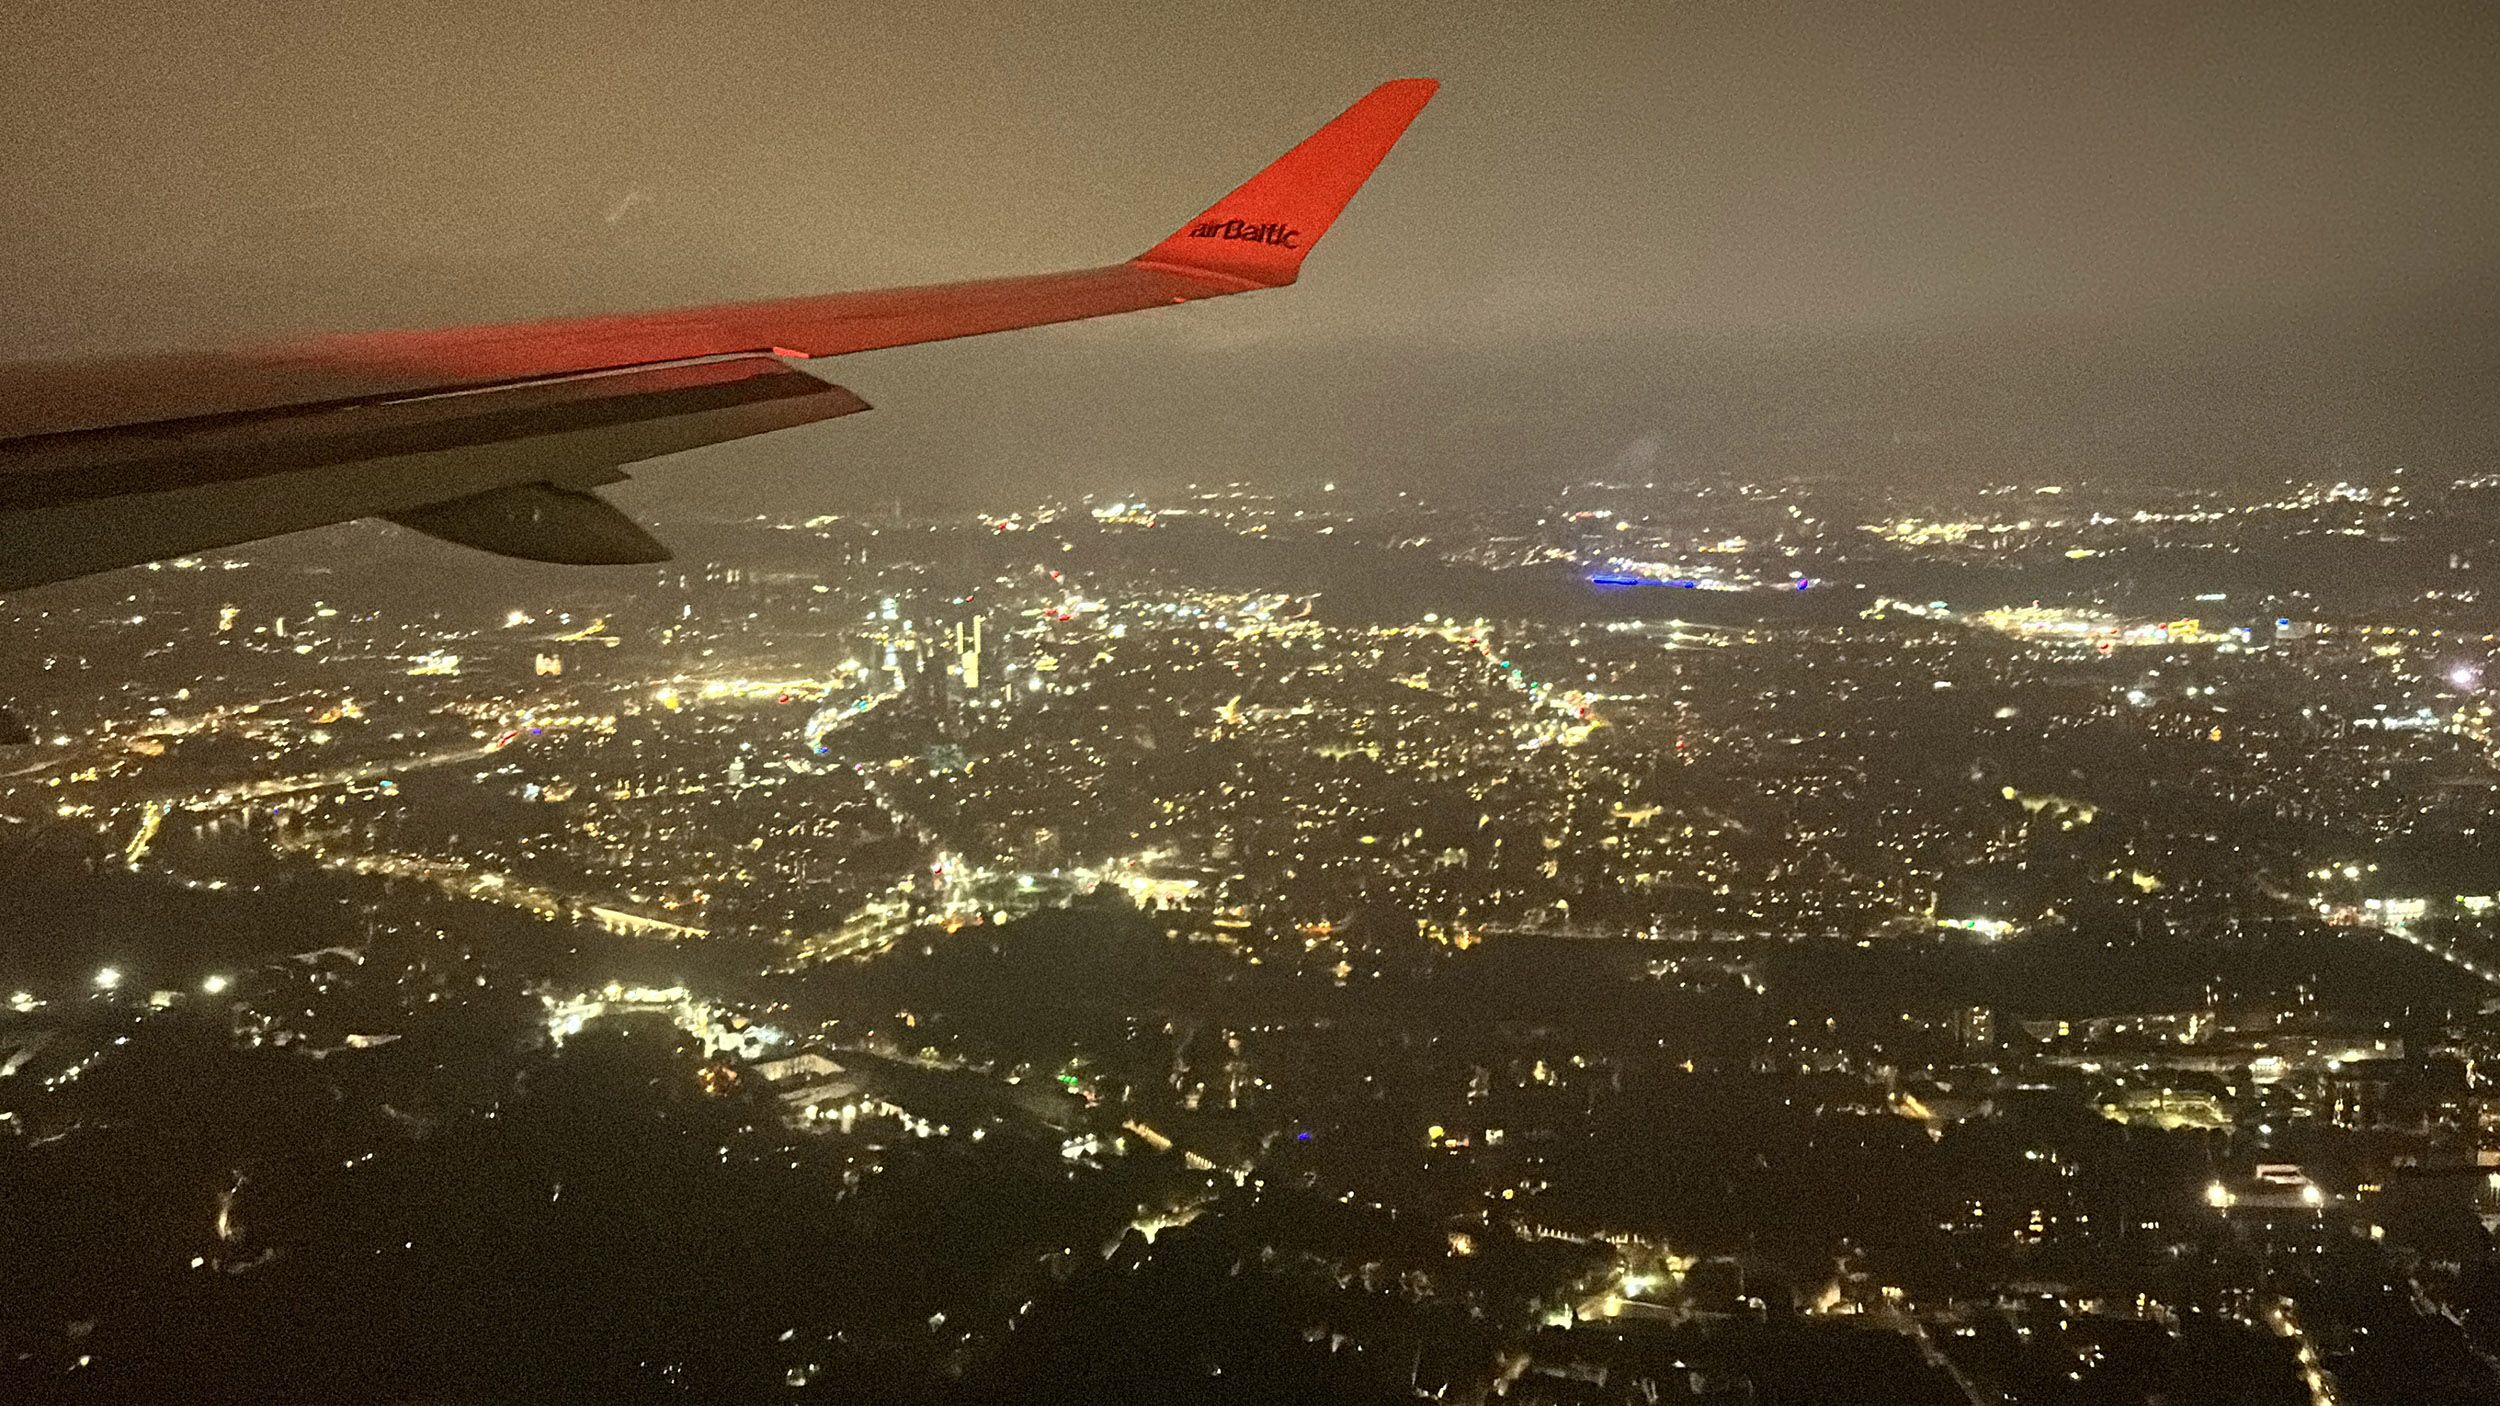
[[2164, 239]]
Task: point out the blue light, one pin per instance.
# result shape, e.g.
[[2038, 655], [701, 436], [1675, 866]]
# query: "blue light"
[[1641, 581]]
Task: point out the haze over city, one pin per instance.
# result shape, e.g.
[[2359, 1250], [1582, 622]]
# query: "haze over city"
[[2140, 239]]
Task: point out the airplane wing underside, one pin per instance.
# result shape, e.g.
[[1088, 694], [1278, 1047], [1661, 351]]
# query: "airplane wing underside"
[[493, 436], [443, 464]]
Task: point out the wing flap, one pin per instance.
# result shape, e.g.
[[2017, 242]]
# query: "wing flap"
[[538, 522]]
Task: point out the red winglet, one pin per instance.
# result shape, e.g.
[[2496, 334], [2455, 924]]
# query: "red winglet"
[[1261, 231]]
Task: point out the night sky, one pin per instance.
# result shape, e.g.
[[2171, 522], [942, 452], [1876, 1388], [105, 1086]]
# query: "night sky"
[[2167, 241]]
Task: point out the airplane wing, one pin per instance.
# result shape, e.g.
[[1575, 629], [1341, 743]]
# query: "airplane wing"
[[494, 436]]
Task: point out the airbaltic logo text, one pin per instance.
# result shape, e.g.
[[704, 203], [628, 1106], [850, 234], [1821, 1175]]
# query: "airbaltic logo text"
[[1270, 233]]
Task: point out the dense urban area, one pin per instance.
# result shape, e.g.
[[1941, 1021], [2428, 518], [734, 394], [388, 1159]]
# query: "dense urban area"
[[1717, 941]]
